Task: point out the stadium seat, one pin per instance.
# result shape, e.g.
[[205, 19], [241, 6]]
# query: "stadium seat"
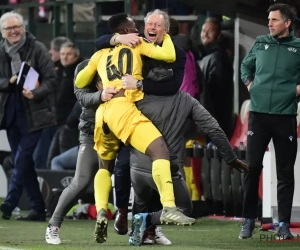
[[237, 178], [205, 177], [215, 178], [260, 186], [196, 168], [236, 134], [298, 120], [226, 185], [298, 114], [244, 110], [241, 125]]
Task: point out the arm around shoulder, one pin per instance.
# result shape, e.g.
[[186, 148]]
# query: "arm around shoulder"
[[166, 52]]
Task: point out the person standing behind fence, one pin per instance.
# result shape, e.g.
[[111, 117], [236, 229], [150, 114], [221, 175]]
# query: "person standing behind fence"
[[23, 113], [271, 73]]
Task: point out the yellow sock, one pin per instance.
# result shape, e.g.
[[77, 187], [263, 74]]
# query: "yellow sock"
[[102, 187], [188, 173], [161, 173]]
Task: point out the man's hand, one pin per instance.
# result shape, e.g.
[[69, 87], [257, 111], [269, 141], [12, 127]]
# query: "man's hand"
[[249, 86], [13, 79], [128, 82], [28, 94], [130, 40], [108, 93], [298, 90], [239, 165]]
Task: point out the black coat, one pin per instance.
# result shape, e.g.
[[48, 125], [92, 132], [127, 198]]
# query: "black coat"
[[40, 111], [65, 97], [216, 91]]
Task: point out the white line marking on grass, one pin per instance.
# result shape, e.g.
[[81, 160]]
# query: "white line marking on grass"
[[195, 230], [8, 248]]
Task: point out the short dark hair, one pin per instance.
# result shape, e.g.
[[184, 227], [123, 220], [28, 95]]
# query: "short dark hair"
[[174, 27], [116, 21], [214, 21], [287, 12]]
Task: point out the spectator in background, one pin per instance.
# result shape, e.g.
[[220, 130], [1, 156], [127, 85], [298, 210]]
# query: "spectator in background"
[[23, 112], [192, 73], [67, 160], [65, 137], [55, 46], [42, 149], [217, 88]]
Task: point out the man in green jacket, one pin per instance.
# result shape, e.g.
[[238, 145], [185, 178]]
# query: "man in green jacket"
[[271, 72]]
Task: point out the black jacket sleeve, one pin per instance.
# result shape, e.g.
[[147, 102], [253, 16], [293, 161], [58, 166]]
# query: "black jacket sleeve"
[[169, 87], [211, 127], [46, 70], [73, 118], [214, 72], [103, 42]]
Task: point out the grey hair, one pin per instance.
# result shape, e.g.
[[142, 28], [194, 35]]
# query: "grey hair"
[[159, 12], [72, 46], [57, 42], [7, 15]]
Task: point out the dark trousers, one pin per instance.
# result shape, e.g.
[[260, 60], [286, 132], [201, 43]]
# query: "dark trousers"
[[122, 177], [42, 149], [283, 130], [23, 144], [147, 200]]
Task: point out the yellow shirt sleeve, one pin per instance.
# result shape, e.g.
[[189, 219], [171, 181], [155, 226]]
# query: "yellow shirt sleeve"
[[166, 52], [86, 75]]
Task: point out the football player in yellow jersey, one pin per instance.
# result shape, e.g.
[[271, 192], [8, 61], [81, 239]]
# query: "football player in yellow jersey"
[[119, 119]]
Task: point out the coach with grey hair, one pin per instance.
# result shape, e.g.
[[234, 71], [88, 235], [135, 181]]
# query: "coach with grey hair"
[[24, 112], [157, 24]]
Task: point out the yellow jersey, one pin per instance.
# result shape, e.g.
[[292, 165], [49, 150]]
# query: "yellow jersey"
[[112, 63]]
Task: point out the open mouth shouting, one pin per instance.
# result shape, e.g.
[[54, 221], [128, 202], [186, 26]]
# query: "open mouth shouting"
[[152, 36]]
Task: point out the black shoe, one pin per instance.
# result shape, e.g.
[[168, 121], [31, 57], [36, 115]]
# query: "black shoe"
[[284, 232], [121, 222], [6, 210], [247, 229], [33, 216]]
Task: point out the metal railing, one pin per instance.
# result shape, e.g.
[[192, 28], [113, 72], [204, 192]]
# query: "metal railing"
[[56, 6], [69, 24]]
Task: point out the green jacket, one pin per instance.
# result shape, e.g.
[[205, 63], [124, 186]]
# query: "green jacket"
[[273, 65]]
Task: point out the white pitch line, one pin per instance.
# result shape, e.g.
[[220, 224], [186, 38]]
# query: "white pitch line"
[[8, 248], [194, 230]]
